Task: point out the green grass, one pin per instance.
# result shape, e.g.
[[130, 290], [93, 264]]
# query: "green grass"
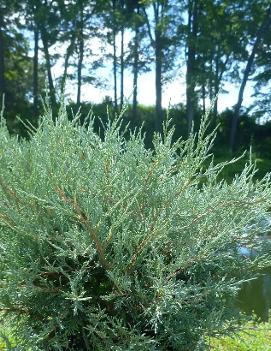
[[7, 341], [263, 166], [254, 337]]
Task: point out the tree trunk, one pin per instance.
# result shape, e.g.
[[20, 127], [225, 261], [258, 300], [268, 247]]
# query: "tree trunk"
[[79, 71], [48, 68], [122, 69], [211, 82], [219, 71], [2, 58], [115, 72], [35, 71], [115, 58], [190, 91], [158, 82], [135, 72], [216, 83], [66, 62], [156, 42], [64, 14], [191, 58], [263, 28], [203, 95], [80, 61]]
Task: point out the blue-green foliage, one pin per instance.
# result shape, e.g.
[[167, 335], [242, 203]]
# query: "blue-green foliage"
[[107, 245]]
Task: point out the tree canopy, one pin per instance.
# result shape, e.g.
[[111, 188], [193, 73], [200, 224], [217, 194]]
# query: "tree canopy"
[[211, 43]]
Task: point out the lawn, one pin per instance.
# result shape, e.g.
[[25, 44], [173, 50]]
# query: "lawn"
[[252, 338]]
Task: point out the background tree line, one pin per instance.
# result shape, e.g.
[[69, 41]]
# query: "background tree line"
[[213, 41]]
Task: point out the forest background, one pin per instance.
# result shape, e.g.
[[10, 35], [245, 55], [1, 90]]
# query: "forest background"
[[102, 54]]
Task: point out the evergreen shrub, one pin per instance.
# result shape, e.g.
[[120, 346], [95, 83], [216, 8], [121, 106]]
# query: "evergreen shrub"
[[107, 245]]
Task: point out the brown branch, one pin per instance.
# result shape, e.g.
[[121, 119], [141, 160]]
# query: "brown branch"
[[148, 27], [87, 225], [9, 191], [182, 269], [139, 250], [14, 309], [8, 221]]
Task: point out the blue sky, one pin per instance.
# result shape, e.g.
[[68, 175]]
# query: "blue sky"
[[174, 91]]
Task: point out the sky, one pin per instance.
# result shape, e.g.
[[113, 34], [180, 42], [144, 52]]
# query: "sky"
[[173, 92]]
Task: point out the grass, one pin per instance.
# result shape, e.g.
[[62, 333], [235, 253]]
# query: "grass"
[[7, 342], [263, 166], [254, 337]]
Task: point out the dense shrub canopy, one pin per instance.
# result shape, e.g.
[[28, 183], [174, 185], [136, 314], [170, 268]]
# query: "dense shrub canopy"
[[106, 245]]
